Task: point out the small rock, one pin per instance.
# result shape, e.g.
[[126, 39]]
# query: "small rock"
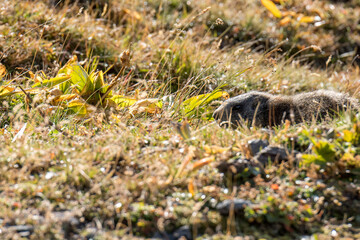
[[272, 154], [238, 165], [69, 222], [256, 145], [22, 230], [239, 205], [183, 232]]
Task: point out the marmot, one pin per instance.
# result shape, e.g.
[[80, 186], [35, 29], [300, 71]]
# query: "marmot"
[[264, 109]]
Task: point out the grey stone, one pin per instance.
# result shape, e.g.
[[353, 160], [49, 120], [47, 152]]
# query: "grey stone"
[[256, 145], [239, 205]]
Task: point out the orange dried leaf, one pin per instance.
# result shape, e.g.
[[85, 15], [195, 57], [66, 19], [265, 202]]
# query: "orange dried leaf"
[[289, 13], [225, 95], [2, 71], [274, 186], [285, 21], [307, 19], [191, 187], [203, 162], [16, 205], [269, 5], [132, 14]]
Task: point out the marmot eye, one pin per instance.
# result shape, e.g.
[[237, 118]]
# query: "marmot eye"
[[237, 107]]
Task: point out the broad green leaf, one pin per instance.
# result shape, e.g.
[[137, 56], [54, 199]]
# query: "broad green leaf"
[[65, 86], [123, 101], [308, 159], [99, 82], [193, 103], [269, 5], [323, 152], [326, 150], [52, 82], [81, 79]]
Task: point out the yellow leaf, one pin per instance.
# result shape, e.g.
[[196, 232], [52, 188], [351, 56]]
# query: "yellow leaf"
[[348, 157], [307, 19], [214, 149], [269, 5], [7, 91], [348, 136], [203, 162]]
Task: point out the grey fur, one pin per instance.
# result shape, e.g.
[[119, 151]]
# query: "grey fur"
[[264, 109]]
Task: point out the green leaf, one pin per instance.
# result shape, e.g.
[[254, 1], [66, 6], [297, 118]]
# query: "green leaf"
[[80, 78], [65, 86], [194, 103], [308, 159], [99, 82], [325, 150], [123, 101], [52, 82]]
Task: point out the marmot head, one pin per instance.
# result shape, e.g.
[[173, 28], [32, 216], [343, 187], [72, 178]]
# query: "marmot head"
[[252, 107]]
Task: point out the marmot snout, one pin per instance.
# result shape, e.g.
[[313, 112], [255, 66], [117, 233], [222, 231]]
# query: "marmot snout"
[[264, 109]]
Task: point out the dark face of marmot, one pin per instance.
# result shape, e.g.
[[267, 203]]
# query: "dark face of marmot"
[[252, 107]]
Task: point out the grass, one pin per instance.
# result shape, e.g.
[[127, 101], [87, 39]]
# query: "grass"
[[149, 169]]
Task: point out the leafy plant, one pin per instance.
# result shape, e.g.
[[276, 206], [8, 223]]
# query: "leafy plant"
[[324, 152]]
